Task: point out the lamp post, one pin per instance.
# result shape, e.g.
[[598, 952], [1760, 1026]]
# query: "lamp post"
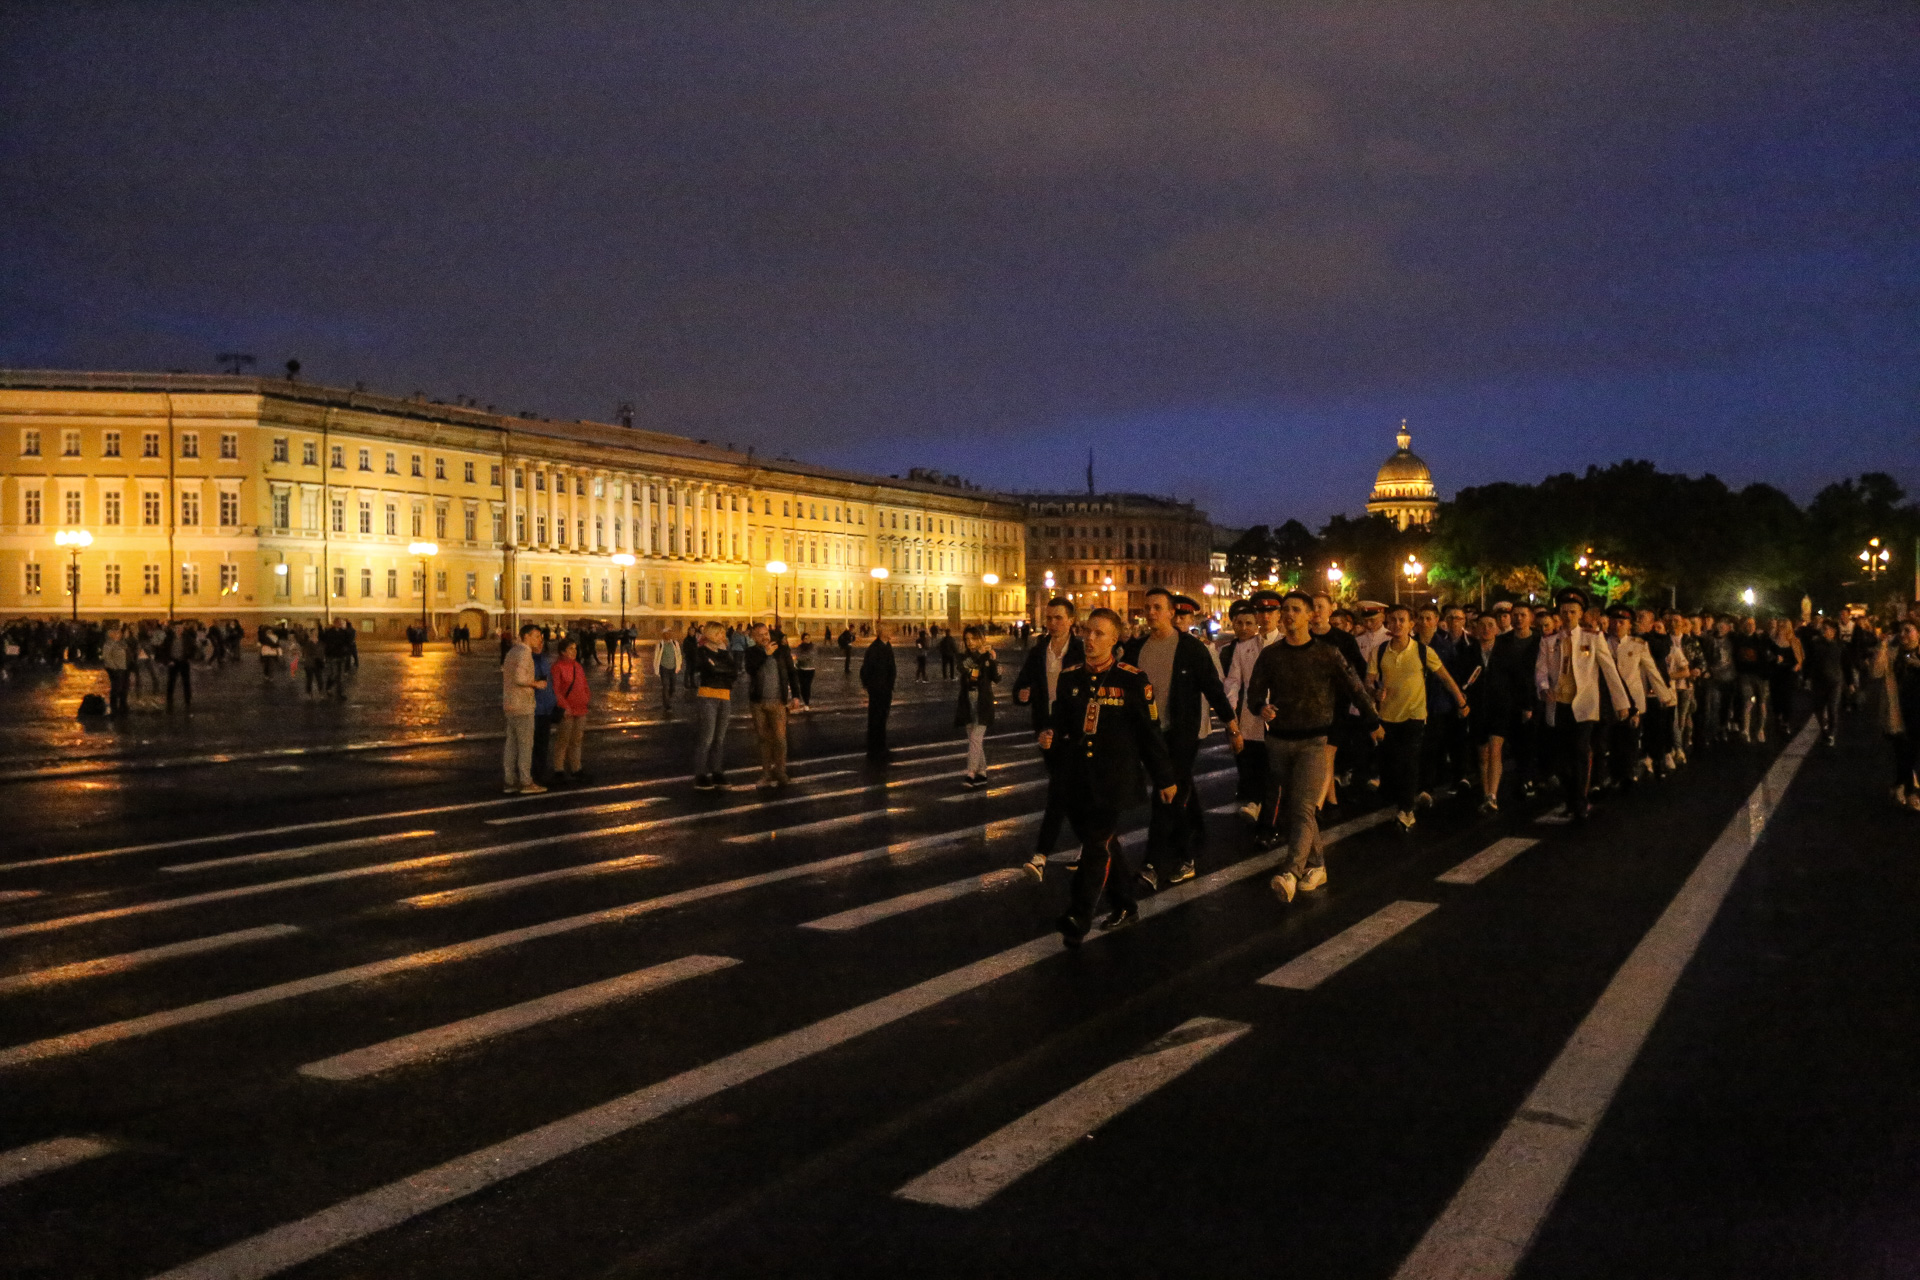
[[73, 540], [1335, 576], [778, 569], [426, 551], [879, 573], [1208, 590], [1107, 582], [1411, 570], [1875, 558], [625, 562], [992, 580]]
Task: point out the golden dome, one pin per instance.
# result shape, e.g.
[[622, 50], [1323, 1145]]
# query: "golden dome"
[[1404, 470]]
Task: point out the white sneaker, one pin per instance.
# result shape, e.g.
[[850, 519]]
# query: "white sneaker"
[[1283, 885], [1314, 879]]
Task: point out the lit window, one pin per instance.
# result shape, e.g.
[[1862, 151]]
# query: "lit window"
[[309, 453], [189, 444], [110, 507], [30, 448], [110, 445], [279, 448], [230, 447], [150, 444], [69, 444]]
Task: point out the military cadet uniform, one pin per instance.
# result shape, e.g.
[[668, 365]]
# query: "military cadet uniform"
[[1105, 730]]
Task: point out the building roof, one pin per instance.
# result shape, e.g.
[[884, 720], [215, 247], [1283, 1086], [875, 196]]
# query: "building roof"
[[1403, 469]]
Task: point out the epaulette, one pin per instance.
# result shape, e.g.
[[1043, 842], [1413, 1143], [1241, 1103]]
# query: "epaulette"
[[1124, 667], [1075, 666]]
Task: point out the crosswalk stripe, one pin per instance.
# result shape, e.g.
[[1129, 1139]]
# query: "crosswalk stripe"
[[41, 978], [462, 807], [467, 893], [37, 1158], [20, 895], [824, 824], [1487, 861], [404, 1050], [388, 1206], [814, 777], [757, 806], [861, 916], [303, 851], [1307, 971], [996, 1162], [994, 793]]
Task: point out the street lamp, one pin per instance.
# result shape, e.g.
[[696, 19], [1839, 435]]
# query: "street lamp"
[[1875, 558], [625, 562], [1748, 597], [1410, 570], [778, 569], [426, 551], [1107, 582], [73, 540], [992, 580], [879, 573], [1334, 576]]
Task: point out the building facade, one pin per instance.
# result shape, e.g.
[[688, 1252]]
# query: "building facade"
[[1108, 549], [262, 499], [1403, 490]]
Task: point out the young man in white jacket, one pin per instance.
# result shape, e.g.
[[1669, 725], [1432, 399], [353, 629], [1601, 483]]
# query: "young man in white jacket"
[[1573, 664], [1645, 685]]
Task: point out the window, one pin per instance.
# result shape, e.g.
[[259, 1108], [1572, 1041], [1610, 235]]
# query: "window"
[[229, 579], [282, 509], [230, 509], [30, 448], [519, 478], [149, 579], [110, 507], [540, 481], [540, 528], [366, 584], [230, 447], [393, 463], [110, 444], [466, 472], [309, 453], [417, 469], [580, 529], [189, 508], [440, 581], [560, 531], [579, 486], [676, 593], [71, 514], [279, 448], [499, 526], [600, 531], [189, 579], [150, 507], [189, 444], [606, 592], [493, 474], [339, 515], [659, 592], [150, 444], [473, 583], [366, 516], [69, 444], [520, 527], [440, 469], [440, 522], [30, 580], [546, 587], [393, 584], [526, 587], [496, 587], [339, 457], [599, 487], [393, 521], [309, 580], [366, 459], [339, 583], [566, 589], [418, 522]]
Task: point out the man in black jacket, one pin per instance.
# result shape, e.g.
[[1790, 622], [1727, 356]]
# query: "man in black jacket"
[[876, 677], [1106, 728], [771, 696], [1183, 676], [1035, 686]]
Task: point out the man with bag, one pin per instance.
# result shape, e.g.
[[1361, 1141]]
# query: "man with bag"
[[520, 686]]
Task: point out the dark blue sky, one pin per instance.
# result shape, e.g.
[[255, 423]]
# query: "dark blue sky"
[[1228, 245]]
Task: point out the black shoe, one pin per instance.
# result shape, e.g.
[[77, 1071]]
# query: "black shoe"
[[1267, 840], [1149, 878], [1184, 872], [704, 782], [1072, 929], [1121, 919]]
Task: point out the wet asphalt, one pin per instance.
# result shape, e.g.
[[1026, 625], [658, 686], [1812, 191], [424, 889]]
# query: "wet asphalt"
[[1768, 1127]]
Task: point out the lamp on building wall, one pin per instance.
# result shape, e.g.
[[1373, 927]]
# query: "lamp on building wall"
[[74, 540], [778, 569], [992, 580], [879, 573], [426, 551]]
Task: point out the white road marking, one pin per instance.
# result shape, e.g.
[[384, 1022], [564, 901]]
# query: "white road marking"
[[1307, 971], [1553, 820], [26, 1162], [487, 889], [860, 916], [304, 851], [40, 978], [397, 1202], [824, 824], [1487, 861], [20, 895], [404, 1050], [812, 777], [993, 793], [327, 823], [995, 1163], [1486, 1230]]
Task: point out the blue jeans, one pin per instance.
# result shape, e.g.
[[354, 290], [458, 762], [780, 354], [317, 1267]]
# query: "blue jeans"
[[710, 737]]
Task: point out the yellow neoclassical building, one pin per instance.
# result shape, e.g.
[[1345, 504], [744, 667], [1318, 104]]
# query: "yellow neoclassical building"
[[216, 497]]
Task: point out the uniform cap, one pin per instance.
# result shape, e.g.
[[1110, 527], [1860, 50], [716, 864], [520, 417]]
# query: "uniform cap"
[[1185, 604], [1239, 608], [1265, 599], [1573, 594], [1371, 606]]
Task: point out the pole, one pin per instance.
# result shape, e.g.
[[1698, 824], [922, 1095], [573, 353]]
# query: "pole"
[[426, 585], [73, 584]]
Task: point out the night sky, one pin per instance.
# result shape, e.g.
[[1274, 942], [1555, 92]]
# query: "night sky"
[[1229, 246]]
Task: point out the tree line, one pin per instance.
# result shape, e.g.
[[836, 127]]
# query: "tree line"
[[1628, 531]]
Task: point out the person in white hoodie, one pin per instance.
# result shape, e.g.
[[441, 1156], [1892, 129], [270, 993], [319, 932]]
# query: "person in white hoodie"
[[1253, 730], [1646, 685], [1573, 665]]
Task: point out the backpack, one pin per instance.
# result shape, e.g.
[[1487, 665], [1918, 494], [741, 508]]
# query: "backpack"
[[1434, 689], [92, 705]]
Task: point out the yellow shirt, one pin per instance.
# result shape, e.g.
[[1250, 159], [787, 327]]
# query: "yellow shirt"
[[1403, 687]]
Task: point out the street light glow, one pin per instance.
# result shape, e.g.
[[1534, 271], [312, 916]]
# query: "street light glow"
[[72, 538], [1747, 597], [991, 579], [424, 548], [879, 573], [624, 560], [776, 567], [1334, 575]]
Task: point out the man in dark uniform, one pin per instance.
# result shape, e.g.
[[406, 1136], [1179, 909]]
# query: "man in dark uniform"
[[1106, 728], [1184, 678], [876, 677], [1036, 685]]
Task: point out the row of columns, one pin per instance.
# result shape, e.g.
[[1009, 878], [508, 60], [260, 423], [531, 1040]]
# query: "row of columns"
[[657, 516]]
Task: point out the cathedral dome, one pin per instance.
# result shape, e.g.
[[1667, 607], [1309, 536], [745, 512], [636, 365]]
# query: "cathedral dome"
[[1403, 490], [1404, 467]]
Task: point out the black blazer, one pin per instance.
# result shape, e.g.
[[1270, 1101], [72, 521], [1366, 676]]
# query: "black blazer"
[[877, 670], [1033, 675], [1194, 679]]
